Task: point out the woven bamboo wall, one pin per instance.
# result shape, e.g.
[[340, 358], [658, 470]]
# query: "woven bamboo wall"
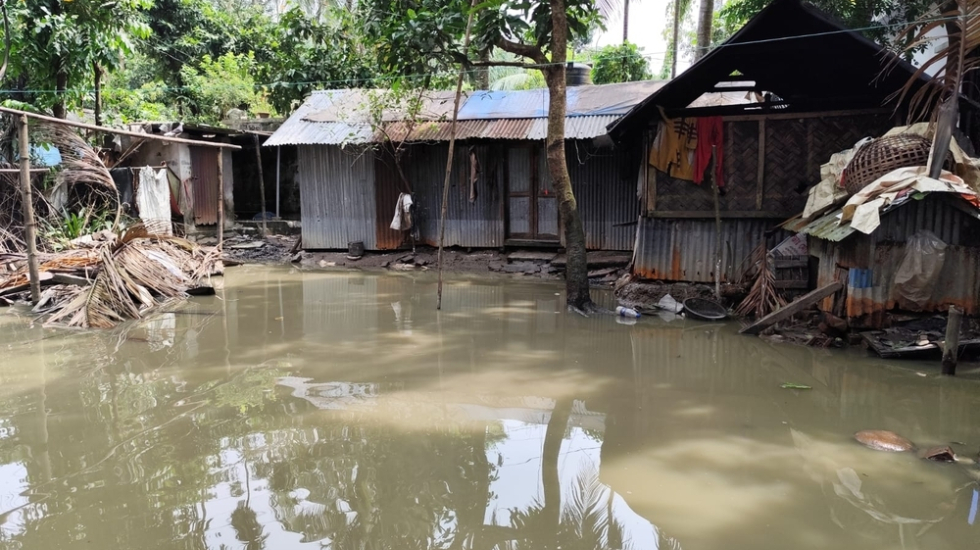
[[795, 148]]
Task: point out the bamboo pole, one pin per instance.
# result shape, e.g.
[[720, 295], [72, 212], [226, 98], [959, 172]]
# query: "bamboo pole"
[[221, 201], [714, 187], [27, 202], [951, 347], [258, 158], [116, 131], [449, 161]]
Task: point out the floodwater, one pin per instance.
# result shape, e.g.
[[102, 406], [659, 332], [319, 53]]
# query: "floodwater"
[[340, 410]]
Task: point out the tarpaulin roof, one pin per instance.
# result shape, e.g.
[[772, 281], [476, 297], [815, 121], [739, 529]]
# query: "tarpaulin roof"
[[335, 117], [793, 50]]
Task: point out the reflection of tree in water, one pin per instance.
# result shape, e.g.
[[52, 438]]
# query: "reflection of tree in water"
[[245, 521], [377, 487]]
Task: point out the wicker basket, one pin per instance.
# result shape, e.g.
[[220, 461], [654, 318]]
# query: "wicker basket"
[[883, 155]]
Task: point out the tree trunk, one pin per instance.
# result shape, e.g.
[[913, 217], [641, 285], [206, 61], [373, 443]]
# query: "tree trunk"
[[704, 28], [626, 20], [98, 93], [483, 73], [673, 43], [550, 480], [60, 86], [576, 270]]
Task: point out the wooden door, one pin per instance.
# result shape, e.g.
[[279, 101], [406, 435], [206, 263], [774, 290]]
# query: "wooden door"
[[532, 207]]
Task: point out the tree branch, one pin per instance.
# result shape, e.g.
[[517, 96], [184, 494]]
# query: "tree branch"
[[533, 53], [505, 64]]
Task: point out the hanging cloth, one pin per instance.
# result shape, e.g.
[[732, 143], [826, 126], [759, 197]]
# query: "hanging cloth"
[[673, 152], [403, 213], [153, 201], [710, 131]]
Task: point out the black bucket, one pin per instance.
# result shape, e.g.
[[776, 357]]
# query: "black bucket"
[[355, 249]]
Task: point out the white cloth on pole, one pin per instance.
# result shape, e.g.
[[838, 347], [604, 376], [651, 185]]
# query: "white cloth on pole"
[[153, 201], [403, 213]]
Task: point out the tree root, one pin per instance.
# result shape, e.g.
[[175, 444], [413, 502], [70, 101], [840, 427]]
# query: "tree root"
[[588, 309]]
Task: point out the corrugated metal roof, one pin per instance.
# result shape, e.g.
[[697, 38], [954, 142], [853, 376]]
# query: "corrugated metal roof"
[[339, 117], [828, 227]]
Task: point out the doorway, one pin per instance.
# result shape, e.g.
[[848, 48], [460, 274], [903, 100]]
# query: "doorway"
[[532, 206]]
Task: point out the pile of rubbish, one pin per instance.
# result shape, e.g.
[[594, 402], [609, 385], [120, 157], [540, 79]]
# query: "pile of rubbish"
[[106, 279]]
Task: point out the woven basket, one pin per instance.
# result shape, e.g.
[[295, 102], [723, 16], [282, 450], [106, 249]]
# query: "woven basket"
[[883, 155]]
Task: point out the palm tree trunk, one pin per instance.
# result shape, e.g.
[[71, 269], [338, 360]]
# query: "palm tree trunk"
[[673, 43], [626, 20], [704, 28]]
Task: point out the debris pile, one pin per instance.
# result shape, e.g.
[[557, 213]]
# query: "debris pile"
[[110, 280]]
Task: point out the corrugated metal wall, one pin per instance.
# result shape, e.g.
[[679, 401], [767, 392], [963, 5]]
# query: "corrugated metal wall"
[[337, 197], [477, 224], [604, 181], [872, 262], [204, 167], [684, 249], [934, 213]]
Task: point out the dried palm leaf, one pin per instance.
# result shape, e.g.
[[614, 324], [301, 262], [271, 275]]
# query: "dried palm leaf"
[[763, 298], [80, 161]]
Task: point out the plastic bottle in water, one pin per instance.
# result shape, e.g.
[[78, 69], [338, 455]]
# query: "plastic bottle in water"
[[627, 312]]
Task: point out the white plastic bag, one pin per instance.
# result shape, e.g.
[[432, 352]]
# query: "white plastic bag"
[[919, 271]]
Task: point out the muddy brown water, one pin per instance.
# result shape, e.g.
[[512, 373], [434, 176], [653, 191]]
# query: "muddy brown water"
[[338, 410]]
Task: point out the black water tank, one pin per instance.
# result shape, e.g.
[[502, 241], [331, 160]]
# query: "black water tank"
[[578, 74]]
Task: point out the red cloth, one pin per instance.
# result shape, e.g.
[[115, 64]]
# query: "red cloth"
[[710, 132]]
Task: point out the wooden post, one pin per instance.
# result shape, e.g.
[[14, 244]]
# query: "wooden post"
[[951, 347], [278, 162], [221, 200], [761, 175], [258, 158], [714, 187], [449, 161], [27, 202]]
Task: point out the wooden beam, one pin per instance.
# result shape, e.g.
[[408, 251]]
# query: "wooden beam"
[[792, 309], [760, 177], [731, 214], [117, 131]]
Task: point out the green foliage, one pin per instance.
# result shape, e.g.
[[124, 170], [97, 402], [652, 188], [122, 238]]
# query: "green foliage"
[[219, 85], [147, 102], [870, 16], [305, 54], [59, 233], [56, 44], [620, 63]]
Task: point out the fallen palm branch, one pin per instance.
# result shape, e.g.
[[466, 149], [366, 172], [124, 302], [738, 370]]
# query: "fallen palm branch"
[[80, 163], [116, 281], [763, 298]]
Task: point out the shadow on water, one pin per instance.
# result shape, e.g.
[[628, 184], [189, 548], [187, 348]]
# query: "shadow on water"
[[335, 410]]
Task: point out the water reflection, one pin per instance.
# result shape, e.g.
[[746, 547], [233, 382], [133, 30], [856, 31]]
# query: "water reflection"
[[314, 410]]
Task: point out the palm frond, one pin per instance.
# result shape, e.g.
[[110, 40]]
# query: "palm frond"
[[962, 25]]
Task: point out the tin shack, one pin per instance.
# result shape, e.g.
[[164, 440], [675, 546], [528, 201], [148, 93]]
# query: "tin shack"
[[811, 88], [354, 168]]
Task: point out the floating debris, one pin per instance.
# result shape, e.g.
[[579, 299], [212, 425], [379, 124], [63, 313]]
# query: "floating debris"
[[883, 440], [792, 386]]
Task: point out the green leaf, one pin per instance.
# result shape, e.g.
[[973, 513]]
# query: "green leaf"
[[411, 13]]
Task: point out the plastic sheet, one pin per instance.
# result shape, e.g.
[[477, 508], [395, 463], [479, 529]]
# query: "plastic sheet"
[[925, 254]]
